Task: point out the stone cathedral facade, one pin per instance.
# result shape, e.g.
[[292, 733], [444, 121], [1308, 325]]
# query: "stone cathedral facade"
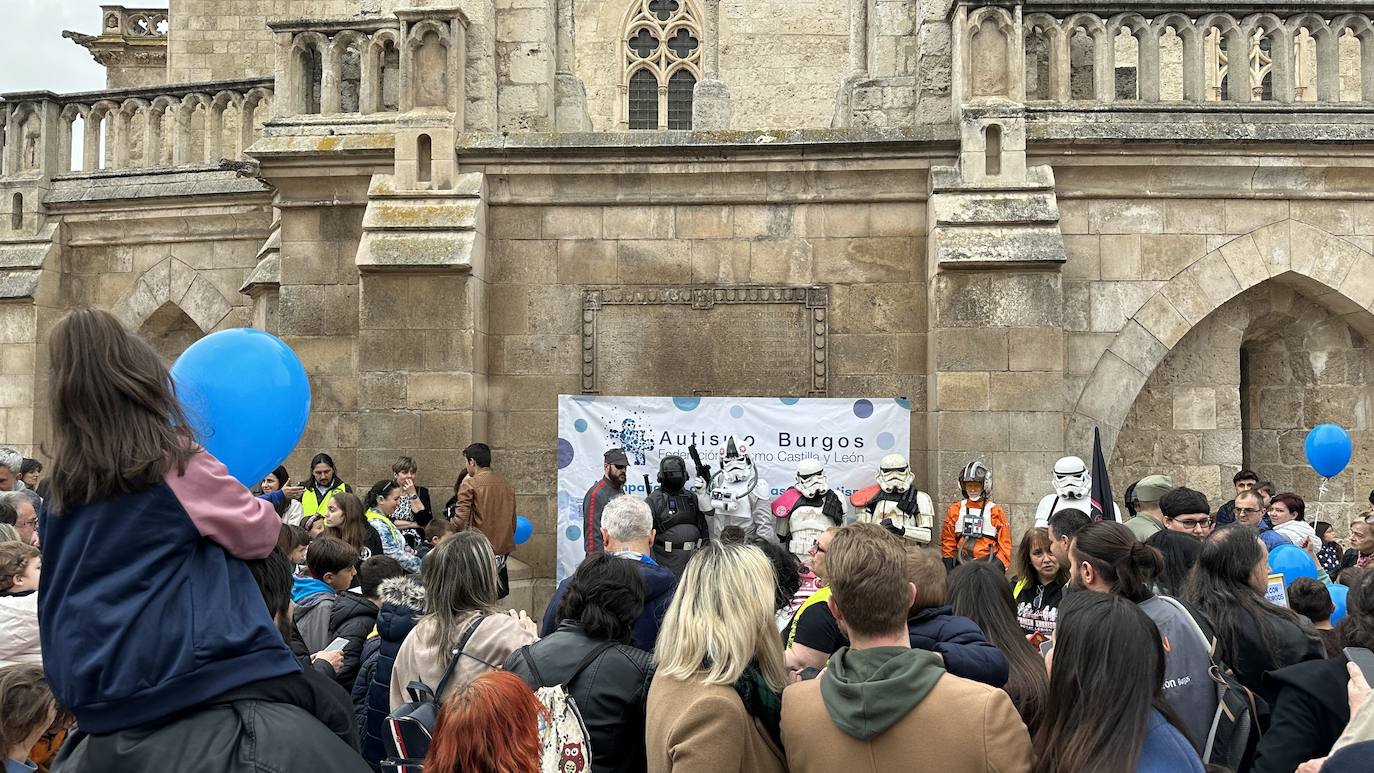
[[1029, 218]]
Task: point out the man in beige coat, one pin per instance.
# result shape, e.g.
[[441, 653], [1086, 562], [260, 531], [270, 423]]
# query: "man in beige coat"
[[882, 706]]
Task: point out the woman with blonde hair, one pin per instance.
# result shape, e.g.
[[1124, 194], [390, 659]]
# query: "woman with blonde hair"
[[715, 704], [460, 604]]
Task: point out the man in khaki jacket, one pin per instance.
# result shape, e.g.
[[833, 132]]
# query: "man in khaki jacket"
[[486, 502], [882, 706]]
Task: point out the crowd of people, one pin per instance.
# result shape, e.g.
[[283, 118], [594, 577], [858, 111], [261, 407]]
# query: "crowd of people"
[[185, 622]]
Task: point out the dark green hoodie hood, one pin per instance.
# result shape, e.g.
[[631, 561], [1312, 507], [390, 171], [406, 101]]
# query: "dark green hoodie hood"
[[868, 691]]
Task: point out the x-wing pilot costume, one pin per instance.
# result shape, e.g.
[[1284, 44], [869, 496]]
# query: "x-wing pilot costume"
[[680, 515], [976, 529], [739, 496], [1073, 485], [807, 509], [896, 503]]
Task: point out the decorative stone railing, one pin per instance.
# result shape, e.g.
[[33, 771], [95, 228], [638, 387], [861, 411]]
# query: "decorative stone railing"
[[1163, 51], [188, 125], [340, 66], [133, 22]]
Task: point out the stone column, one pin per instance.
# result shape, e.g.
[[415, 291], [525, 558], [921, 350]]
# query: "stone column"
[[570, 95], [711, 106]]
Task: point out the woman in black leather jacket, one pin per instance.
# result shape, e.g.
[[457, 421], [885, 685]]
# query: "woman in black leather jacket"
[[589, 653]]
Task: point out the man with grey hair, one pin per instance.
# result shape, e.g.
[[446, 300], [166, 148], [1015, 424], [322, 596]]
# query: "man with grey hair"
[[25, 505], [11, 461], [627, 531]]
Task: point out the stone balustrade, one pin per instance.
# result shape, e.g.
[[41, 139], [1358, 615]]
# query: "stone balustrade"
[[335, 67], [119, 21], [169, 126], [1281, 51]]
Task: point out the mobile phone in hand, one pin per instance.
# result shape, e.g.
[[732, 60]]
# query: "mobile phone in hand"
[[337, 645], [1362, 657]]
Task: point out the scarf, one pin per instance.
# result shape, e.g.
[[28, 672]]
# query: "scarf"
[[1364, 560], [760, 701]]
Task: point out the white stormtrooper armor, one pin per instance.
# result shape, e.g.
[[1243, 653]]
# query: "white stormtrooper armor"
[[807, 509], [897, 500], [1073, 484], [738, 495]]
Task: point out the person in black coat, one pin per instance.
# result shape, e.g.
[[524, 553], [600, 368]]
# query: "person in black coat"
[[1311, 707], [933, 626], [403, 602], [590, 655]]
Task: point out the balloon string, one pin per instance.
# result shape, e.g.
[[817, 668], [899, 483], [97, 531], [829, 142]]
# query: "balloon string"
[[1321, 491]]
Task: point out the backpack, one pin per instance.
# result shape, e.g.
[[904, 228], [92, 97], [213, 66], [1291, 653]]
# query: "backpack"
[[1231, 730], [410, 727], [563, 734]]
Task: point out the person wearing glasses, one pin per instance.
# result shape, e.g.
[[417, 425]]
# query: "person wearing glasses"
[[25, 505], [1187, 511], [1250, 512], [612, 484]]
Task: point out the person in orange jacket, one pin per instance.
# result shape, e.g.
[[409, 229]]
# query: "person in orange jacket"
[[976, 529]]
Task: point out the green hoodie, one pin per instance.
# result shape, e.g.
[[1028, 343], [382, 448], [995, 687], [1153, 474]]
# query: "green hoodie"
[[869, 691]]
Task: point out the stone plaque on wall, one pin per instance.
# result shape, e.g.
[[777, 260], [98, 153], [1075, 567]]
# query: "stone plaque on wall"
[[685, 340]]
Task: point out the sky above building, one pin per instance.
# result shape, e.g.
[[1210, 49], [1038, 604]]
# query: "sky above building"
[[35, 55]]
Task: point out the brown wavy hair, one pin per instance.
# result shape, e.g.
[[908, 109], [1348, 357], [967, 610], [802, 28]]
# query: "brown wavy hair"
[[491, 727], [117, 426], [355, 527]]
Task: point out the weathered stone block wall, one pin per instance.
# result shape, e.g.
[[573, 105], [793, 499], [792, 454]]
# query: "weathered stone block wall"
[[209, 40], [782, 61], [858, 232]]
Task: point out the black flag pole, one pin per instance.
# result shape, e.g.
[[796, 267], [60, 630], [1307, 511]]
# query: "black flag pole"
[[1103, 504]]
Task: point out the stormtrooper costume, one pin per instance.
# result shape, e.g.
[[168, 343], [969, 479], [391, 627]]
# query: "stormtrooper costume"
[[807, 509], [680, 515], [739, 496], [1073, 485], [896, 502]]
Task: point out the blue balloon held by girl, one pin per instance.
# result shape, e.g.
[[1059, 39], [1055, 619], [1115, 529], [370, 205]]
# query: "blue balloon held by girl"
[[247, 396]]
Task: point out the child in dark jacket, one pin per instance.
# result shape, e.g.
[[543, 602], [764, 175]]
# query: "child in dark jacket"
[[933, 626], [332, 565], [403, 602], [354, 616]]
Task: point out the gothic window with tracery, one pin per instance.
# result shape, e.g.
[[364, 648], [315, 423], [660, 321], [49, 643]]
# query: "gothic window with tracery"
[[662, 63]]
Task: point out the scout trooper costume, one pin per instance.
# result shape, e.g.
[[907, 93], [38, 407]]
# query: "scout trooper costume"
[[896, 502], [807, 509], [1073, 485], [738, 495]]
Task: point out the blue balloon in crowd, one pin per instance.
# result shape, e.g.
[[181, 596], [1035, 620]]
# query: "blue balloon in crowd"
[[1328, 449], [1292, 562], [1338, 593], [523, 529], [247, 397]]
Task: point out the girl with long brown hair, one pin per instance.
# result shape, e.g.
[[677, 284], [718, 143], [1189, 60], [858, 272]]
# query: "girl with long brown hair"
[[344, 519], [144, 543]]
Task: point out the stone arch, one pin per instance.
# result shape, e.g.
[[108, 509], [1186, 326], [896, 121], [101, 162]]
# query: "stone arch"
[[172, 281], [1322, 267]]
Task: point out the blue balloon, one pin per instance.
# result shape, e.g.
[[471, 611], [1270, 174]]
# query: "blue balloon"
[[1292, 562], [247, 397], [523, 529], [1338, 593], [1328, 449]]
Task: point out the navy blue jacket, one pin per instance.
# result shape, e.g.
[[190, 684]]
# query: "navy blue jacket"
[[659, 586], [147, 607], [967, 652], [394, 623]]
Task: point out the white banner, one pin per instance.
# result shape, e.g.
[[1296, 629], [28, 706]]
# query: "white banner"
[[847, 435]]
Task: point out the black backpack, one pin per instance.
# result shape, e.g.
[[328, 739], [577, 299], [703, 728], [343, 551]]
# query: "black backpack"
[[410, 727]]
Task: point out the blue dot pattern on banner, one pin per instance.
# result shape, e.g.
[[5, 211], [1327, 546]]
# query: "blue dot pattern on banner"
[[574, 533], [580, 425], [863, 409], [565, 453], [789, 400], [687, 403], [902, 401], [736, 411], [885, 440]]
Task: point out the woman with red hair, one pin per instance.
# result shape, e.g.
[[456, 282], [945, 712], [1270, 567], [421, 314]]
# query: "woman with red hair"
[[490, 727]]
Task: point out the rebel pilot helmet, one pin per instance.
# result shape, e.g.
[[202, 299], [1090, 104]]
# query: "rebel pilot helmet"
[[894, 474], [1071, 478], [811, 478], [976, 472]]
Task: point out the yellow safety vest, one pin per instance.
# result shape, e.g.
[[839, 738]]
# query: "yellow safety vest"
[[311, 504], [819, 597]]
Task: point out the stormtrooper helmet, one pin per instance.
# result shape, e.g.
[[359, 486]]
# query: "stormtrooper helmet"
[[735, 465], [1071, 478], [811, 478], [976, 472], [894, 474]]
